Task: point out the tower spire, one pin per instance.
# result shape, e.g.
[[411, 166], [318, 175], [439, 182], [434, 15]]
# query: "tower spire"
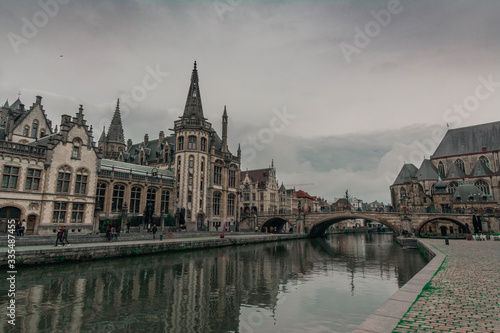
[[115, 130], [193, 108], [224, 130]]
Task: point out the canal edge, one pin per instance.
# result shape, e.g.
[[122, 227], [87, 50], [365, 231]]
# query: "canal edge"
[[387, 317]]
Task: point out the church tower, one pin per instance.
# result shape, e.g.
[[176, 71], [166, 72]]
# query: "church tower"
[[192, 134], [207, 174], [113, 145]]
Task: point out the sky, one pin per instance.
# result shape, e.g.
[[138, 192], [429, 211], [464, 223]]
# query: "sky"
[[338, 94]]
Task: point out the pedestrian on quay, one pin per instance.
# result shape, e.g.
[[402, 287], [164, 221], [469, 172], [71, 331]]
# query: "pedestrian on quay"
[[59, 236], [18, 228], [64, 236], [128, 227], [24, 226], [154, 230], [108, 232]]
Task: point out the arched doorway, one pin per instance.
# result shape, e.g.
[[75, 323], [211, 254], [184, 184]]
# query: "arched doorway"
[[7, 214], [444, 230]]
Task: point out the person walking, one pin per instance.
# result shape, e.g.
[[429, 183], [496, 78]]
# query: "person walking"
[[59, 236], [64, 236], [23, 227], [155, 229]]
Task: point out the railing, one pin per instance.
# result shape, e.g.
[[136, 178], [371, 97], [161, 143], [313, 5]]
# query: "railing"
[[192, 123], [21, 149]]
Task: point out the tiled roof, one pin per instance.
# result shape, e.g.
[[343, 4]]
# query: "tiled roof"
[[408, 171], [427, 171], [259, 176], [455, 172], [468, 140], [480, 169]]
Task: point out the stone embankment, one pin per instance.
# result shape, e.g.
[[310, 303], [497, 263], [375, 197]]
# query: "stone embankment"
[[458, 291], [31, 250]]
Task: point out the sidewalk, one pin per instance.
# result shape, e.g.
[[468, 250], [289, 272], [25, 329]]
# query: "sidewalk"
[[464, 295]]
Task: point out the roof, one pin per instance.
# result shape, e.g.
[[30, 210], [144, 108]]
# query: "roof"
[[455, 172], [301, 194], [15, 105], [153, 150], [408, 171], [259, 176], [480, 170], [469, 140], [427, 171], [470, 193], [134, 168]]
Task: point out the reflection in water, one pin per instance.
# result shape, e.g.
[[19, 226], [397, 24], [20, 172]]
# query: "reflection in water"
[[321, 285]]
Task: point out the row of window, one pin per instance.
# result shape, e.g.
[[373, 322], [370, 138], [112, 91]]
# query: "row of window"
[[461, 165], [118, 198], [192, 143], [60, 212], [34, 130], [217, 172], [216, 204]]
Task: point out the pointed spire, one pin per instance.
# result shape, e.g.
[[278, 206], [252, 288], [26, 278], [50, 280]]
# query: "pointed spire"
[[224, 130], [103, 135], [193, 108], [6, 105], [225, 112], [115, 131]]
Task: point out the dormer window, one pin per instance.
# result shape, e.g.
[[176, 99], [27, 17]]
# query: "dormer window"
[[76, 153], [34, 129], [26, 131]]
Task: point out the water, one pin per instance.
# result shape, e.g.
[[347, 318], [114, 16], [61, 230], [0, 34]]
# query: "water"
[[318, 285]]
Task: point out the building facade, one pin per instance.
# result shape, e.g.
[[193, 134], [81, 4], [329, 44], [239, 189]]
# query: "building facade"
[[462, 175]]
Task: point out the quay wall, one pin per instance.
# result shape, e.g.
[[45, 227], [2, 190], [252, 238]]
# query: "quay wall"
[[95, 251]]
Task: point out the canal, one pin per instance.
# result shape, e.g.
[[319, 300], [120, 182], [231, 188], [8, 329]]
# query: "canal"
[[310, 285]]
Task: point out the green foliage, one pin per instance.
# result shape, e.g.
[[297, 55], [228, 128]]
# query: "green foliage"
[[104, 225], [169, 220]]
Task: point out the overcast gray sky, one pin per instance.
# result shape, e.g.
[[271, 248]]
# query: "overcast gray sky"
[[339, 93]]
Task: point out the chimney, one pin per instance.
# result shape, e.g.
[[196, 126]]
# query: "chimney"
[[146, 139], [39, 100], [161, 137], [129, 144]]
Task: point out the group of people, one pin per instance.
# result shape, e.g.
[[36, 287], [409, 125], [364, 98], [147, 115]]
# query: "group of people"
[[112, 231], [62, 236], [21, 228]]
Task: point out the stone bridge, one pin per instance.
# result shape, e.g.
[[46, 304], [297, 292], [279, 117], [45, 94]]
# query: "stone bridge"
[[317, 223]]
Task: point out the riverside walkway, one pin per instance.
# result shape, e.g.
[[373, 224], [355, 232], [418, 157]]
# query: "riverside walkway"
[[462, 296]]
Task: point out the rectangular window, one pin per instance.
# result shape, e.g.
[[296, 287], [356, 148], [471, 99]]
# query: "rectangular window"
[[232, 178], [63, 179], [33, 179], [192, 142], [165, 198], [77, 213], [59, 214], [10, 175], [217, 175], [253, 197], [246, 196], [261, 196], [81, 184], [230, 205]]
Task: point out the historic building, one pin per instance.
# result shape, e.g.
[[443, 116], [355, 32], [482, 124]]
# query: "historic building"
[[48, 178], [260, 192], [462, 175], [205, 193]]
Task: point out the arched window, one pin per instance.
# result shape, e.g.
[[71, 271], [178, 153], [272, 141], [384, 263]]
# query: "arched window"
[[151, 197], [460, 164], [190, 197], [216, 204], [101, 195], [230, 204], [165, 198], [118, 194], [232, 178], [180, 143], [77, 144], [217, 175], [483, 186], [192, 142], [26, 130], [485, 160], [135, 199], [34, 128], [203, 144], [452, 186], [441, 169], [191, 162], [81, 181], [63, 179]]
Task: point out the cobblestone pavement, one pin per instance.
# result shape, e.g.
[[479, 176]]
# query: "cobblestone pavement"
[[464, 295]]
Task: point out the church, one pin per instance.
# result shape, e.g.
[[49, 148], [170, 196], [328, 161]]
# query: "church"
[[54, 177], [462, 176]]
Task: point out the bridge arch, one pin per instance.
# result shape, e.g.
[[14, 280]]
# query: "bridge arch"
[[437, 219], [319, 228], [276, 222]]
